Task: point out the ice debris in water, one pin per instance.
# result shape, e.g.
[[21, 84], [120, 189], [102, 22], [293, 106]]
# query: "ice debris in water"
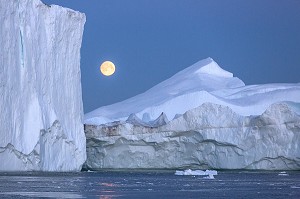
[[208, 173], [283, 173]]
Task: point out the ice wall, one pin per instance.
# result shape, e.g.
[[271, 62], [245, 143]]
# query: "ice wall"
[[209, 136], [40, 87]]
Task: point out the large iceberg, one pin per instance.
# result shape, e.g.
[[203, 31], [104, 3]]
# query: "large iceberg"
[[40, 87], [203, 117]]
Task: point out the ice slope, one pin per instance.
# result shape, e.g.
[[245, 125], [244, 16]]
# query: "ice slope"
[[40, 87], [202, 82]]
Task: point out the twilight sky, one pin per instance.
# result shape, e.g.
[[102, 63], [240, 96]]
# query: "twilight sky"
[[151, 40]]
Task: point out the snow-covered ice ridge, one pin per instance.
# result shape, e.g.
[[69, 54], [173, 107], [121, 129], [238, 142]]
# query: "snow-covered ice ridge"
[[205, 81], [40, 87], [200, 118]]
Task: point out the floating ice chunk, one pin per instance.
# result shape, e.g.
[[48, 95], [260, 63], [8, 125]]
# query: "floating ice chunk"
[[190, 172], [90, 171], [212, 172], [295, 187], [210, 176], [208, 173], [283, 173]]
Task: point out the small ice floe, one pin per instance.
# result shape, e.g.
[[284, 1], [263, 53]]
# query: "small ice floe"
[[209, 174], [90, 171], [283, 173], [295, 187]]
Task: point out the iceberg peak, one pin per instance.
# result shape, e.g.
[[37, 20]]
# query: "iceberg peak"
[[207, 67], [160, 121], [210, 67]]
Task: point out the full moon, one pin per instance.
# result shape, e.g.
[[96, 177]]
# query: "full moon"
[[107, 68]]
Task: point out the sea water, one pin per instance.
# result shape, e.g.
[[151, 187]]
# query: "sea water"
[[150, 184]]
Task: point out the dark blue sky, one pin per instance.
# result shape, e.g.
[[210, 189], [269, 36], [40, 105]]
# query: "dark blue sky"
[[150, 40]]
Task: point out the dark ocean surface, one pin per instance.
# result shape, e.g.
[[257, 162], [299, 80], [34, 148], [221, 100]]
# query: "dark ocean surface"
[[150, 184]]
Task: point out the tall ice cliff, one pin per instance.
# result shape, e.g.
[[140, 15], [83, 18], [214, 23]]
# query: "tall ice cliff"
[[40, 87]]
